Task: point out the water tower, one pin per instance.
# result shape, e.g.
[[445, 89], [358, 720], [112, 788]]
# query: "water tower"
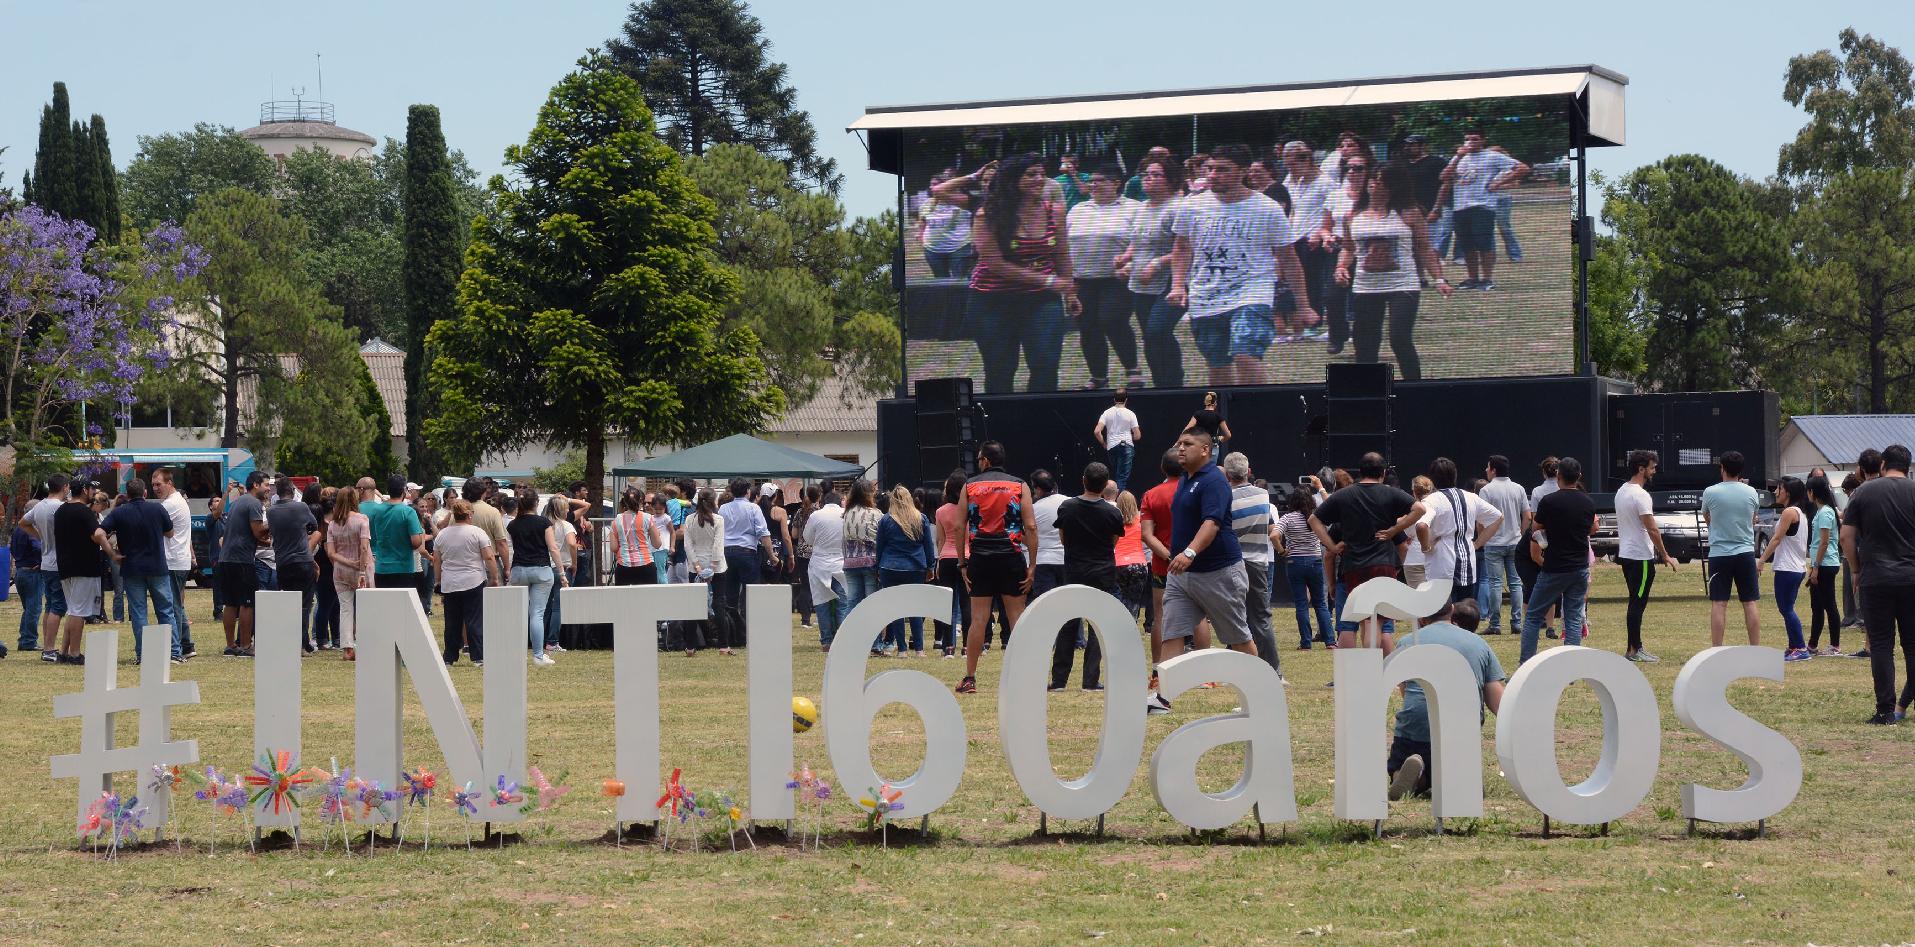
[[288, 126]]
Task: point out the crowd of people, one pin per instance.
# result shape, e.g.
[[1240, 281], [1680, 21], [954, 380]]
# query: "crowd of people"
[[1250, 248], [1193, 559]]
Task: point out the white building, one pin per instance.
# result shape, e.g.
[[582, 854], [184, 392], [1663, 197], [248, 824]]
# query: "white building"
[[1834, 441], [286, 127]]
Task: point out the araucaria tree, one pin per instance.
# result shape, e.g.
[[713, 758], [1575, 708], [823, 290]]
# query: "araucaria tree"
[[706, 71], [79, 325], [433, 248], [592, 300]]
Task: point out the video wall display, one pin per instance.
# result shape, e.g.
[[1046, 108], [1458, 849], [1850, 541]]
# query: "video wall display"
[[1242, 248]]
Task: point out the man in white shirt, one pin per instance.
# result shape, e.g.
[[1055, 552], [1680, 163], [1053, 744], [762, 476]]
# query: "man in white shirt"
[[1639, 546], [1117, 430], [1462, 525], [1499, 556], [39, 523], [824, 533], [179, 554], [1473, 179], [1050, 546]]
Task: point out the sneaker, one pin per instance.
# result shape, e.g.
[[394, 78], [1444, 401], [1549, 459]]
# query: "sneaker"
[[1156, 706], [1093, 687], [230, 651], [310, 647], [1054, 688], [478, 664], [1493, 630], [243, 653], [1551, 634], [178, 660], [543, 660], [50, 656], [559, 648], [1644, 657], [1883, 720], [1797, 654], [967, 686], [1831, 652], [1336, 348], [73, 658], [1469, 284], [1485, 286], [1860, 654], [188, 654], [1405, 778]]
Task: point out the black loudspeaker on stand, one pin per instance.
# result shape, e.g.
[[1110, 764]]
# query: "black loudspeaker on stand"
[[1358, 416], [950, 426]]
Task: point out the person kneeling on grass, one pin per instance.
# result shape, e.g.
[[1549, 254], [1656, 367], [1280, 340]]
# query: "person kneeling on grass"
[[1453, 627]]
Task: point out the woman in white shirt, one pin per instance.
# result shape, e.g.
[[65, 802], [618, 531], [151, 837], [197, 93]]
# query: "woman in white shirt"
[[1789, 550], [1146, 261], [565, 535], [1099, 234], [704, 556], [1384, 255], [824, 532], [465, 562], [1416, 557]]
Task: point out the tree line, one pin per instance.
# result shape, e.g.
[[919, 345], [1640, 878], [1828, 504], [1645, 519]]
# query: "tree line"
[[1803, 282]]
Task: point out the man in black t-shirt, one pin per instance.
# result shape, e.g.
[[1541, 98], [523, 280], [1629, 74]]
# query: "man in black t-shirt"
[[1090, 528], [1563, 520], [1371, 515], [1878, 537], [77, 534]]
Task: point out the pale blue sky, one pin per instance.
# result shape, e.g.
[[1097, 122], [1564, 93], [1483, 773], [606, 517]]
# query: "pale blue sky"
[[1702, 78]]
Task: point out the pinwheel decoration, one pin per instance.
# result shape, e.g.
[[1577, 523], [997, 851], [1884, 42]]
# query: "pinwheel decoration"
[[275, 782]]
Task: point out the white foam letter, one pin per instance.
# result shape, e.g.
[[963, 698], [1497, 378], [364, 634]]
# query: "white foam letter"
[[391, 625], [634, 612], [1023, 707], [1631, 735], [276, 690], [768, 700], [1268, 781], [851, 702], [1702, 704], [1364, 680]]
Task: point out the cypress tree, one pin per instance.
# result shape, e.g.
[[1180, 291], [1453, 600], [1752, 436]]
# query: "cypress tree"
[[86, 178], [109, 183], [26, 186], [53, 163], [432, 266]]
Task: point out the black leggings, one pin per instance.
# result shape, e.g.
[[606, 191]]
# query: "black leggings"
[[464, 621], [1105, 325], [1367, 311], [1822, 602], [1639, 575]]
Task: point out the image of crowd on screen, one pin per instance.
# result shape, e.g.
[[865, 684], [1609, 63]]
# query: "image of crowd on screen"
[[1254, 248]]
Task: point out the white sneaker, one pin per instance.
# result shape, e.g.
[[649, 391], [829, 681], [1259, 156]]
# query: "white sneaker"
[[543, 660], [1405, 778], [1156, 705]]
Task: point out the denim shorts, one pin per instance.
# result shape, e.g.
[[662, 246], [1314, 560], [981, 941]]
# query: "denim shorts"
[[1245, 330], [53, 602]]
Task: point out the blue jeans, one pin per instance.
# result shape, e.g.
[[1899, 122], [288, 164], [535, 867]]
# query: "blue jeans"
[[859, 584], [894, 632], [160, 589], [1569, 588], [951, 264], [1120, 458], [29, 583], [1787, 586], [1306, 594], [1440, 233], [1499, 570], [1004, 324], [539, 580], [185, 635], [830, 614], [1507, 227], [119, 600], [1158, 320]]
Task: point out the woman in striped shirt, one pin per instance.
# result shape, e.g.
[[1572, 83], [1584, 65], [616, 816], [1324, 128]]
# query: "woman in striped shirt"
[[1303, 562], [1023, 287], [634, 535]]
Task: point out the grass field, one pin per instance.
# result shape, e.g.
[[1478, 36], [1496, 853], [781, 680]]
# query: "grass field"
[[1834, 869]]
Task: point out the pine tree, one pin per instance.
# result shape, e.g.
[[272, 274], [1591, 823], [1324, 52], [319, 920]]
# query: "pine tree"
[[432, 266], [707, 74], [592, 302], [53, 162], [109, 183]]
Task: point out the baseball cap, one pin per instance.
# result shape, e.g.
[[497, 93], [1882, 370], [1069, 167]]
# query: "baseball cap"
[[768, 490], [1417, 138]]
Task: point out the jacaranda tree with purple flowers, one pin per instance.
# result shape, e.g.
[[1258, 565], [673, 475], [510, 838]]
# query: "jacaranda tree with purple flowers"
[[81, 324]]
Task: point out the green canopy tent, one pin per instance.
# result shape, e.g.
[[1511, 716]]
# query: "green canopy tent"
[[741, 455]]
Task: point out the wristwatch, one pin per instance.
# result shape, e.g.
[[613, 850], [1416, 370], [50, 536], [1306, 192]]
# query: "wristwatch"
[[1192, 553]]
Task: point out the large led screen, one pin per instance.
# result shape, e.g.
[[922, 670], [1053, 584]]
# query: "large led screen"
[[1242, 248]]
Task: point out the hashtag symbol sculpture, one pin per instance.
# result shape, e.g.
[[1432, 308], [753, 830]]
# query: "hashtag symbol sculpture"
[[101, 700]]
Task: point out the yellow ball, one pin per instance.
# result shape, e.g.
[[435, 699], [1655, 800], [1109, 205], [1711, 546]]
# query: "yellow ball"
[[804, 714]]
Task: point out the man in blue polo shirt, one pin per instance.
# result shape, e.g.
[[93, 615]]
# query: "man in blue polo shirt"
[[1729, 507], [1207, 577], [140, 529]]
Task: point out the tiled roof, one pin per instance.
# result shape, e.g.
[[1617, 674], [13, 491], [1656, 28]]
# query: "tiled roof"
[[1842, 437], [389, 376], [836, 409]]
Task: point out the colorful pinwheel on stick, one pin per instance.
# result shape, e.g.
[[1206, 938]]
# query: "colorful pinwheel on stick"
[[878, 804], [614, 789], [419, 786], [276, 783], [465, 801], [547, 794], [813, 792]]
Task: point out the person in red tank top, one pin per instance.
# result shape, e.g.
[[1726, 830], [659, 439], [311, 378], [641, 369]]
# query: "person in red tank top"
[[1022, 288]]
